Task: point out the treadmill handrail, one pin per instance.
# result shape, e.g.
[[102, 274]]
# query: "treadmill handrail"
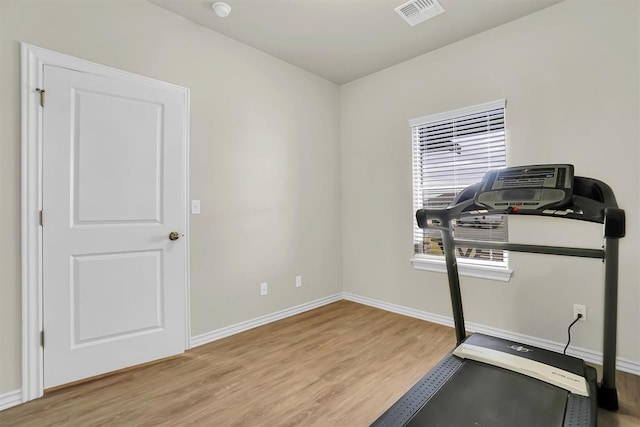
[[593, 201]]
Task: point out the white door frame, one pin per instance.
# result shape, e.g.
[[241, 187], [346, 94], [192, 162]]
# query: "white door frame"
[[32, 73]]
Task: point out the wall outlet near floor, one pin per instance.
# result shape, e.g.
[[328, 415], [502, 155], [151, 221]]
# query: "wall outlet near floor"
[[580, 309], [264, 288], [298, 281]]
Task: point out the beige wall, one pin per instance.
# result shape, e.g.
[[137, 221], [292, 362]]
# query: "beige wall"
[[266, 161], [264, 157], [570, 75]]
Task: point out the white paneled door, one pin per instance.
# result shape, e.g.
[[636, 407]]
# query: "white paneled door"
[[114, 282]]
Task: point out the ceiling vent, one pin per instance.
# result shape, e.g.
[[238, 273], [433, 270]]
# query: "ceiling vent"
[[417, 11]]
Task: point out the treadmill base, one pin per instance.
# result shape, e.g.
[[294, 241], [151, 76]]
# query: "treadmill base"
[[457, 405]]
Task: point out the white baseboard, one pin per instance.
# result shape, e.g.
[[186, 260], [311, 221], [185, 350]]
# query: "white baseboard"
[[10, 399], [208, 337], [14, 398], [591, 356], [400, 309]]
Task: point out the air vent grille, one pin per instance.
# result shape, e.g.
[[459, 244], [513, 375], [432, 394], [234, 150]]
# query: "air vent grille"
[[417, 11]]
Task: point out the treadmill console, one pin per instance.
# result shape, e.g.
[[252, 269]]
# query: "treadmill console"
[[526, 188]]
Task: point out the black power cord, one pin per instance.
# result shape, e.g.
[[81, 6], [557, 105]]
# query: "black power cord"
[[569, 332]]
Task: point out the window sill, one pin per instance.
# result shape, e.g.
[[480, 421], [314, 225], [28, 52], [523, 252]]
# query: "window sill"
[[465, 268]]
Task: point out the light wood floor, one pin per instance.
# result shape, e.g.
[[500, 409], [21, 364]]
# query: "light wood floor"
[[339, 365]]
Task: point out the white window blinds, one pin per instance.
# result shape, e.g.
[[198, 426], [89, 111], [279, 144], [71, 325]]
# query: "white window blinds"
[[451, 151]]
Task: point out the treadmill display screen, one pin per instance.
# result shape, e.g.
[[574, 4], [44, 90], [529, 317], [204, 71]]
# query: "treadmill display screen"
[[526, 178], [519, 194], [535, 187]]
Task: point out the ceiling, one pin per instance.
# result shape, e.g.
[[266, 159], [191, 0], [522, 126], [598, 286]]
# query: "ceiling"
[[343, 40]]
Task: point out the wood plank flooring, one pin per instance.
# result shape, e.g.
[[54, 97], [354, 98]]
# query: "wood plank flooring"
[[339, 365]]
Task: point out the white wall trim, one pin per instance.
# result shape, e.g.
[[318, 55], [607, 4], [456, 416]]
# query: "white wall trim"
[[33, 61], [465, 268], [587, 355], [15, 397], [227, 331], [400, 309], [10, 399], [187, 204], [32, 354]]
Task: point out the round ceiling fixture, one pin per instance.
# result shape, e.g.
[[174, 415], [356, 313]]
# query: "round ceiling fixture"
[[221, 9]]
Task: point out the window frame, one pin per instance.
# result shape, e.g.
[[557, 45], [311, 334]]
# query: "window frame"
[[466, 266]]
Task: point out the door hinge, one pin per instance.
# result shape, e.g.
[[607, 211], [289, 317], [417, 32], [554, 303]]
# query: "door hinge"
[[42, 92], [41, 217], [42, 338]]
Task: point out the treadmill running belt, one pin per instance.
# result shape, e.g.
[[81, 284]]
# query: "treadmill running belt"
[[484, 395]]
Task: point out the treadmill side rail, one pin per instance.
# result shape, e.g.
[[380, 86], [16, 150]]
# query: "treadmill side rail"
[[413, 400]]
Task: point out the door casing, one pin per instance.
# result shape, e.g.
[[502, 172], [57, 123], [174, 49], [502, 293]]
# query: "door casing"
[[32, 73]]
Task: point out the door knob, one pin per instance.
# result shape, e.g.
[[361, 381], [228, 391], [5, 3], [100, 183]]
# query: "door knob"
[[174, 235]]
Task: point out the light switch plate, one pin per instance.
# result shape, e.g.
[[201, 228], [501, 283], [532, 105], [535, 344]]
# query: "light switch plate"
[[195, 207]]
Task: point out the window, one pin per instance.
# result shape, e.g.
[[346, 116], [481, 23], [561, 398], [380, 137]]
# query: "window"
[[451, 151]]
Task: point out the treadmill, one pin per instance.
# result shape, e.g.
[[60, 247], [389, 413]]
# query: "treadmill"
[[488, 381]]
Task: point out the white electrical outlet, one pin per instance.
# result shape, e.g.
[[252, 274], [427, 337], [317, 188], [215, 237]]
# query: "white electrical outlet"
[[580, 309], [298, 281], [264, 288]]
